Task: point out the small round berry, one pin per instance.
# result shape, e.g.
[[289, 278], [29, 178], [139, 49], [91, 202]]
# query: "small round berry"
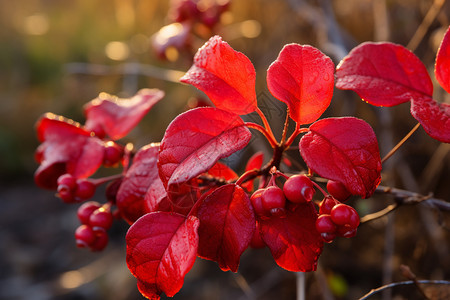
[[328, 237], [66, 194], [342, 214], [85, 189], [100, 242], [327, 204], [346, 231], [113, 153], [273, 197], [338, 190], [85, 211], [255, 199], [68, 181], [299, 189], [84, 236], [324, 224], [279, 212], [101, 219]]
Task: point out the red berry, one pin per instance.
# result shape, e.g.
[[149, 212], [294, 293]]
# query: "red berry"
[[338, 190], [346, 231], [326, 205], [328, 237], [84, 236], [100, 242], [85, 189], [324, 224], [101, 219], [273, 197], [343, 214], [257, 204], [113, 153], [66, 188], [85, 211], [299, 189]]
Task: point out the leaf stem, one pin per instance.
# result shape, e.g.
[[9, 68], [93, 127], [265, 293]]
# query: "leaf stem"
[[296, 132], [266, 123], [273, 142], [286, 125], [399, 144]]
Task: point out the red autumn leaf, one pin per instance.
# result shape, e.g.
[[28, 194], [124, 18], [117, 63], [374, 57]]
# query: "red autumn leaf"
[[227, 223], [433, 116], [139, 177], [116, 117], [161, 249], [345, 150], [442, 67], [383, 74], [222, 171], [66, 148], [225, 75], [254, 162], [303, 78], [293, 241], [195, 140]]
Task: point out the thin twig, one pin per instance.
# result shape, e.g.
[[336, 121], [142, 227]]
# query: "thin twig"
[[409, 282], [399, 144]]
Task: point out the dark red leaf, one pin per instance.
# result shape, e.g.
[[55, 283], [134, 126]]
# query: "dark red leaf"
[[344, 150], [254, 162], [139, 177], [161, 249], [293, 241], [227, 223], [116, 117], [196, 140], [383, 74], [222, 171], [442, 67], [303, 78], [225, 75], [66, 148], [433, 116]]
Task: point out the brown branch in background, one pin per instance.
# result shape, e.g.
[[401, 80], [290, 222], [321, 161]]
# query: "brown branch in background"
[[408, 274]]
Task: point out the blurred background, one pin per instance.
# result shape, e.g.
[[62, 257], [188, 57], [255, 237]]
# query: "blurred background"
[[57, 55]]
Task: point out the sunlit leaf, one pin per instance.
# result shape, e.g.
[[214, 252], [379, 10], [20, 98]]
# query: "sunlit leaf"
[[383, 74], [225, 75], [442, 67], [344, 150], [303, 78]]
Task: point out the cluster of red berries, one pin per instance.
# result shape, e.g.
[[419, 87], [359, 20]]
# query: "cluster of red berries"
[[73, 190], [113, 154], [206, 12], [335, 218], [271, 201], [95, 220]]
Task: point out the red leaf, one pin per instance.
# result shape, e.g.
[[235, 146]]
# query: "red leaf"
[[116, 117], [161, 249], [139, 177], [345, 150], [254, 162], [66, 148], [293, 241], [196, 140], [225, 75], [227, 223], [433, 116], [383, 74], [302, 77], [222, 171], [442, 67]]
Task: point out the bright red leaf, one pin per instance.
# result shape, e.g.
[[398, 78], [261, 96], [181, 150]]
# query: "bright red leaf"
[[66, 148], [195, 140], [161, 249], [225, 75], [442, 67], [345, 150], [139, 177], [222, 171], [383, 74], [433, 116], [303, 78], [293, 241], [227, 223], [116, 117], [254, 162]]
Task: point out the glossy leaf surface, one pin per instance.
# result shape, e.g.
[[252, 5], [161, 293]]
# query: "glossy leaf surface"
[[293, 241], [383, 74], [225, 75], [433, 116], [139, 177], [227, 223], [344, 150], [442, 67], [116, 117], [196, 140], [161, 249], [303, 78]]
